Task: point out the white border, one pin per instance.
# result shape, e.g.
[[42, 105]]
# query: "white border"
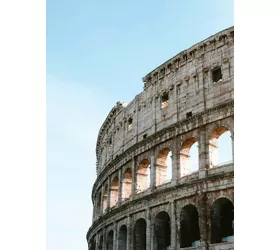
[[256, 124], [23, 124]]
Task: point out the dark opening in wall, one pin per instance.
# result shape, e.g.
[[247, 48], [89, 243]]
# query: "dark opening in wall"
[[110, 240], [222, 221], [189, 227], [139, 235], [164, 100], [110, 144], [144, 136], [122, 242], [216, 75], [129, 124], [162, 231], [189, 114]]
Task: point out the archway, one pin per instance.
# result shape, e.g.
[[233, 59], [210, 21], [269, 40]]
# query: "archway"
[[189, 227], [143, 176], [122, 241], [162, 231], [93, 244], [222, 221], [189, 157], [220, 147], [110, 240], [140, 234], [100, 246], [164, 166]]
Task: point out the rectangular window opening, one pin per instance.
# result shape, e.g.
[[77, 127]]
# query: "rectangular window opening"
[[129, 124], [164, 100], [217, 75]]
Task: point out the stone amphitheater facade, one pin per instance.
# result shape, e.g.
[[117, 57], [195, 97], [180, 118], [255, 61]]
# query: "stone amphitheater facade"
[[136, 206]]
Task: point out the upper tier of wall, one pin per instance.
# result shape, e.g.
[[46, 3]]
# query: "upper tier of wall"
[[187, 81]]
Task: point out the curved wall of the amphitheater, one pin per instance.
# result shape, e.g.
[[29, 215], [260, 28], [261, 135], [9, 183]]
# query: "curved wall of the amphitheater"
[[187, 99]]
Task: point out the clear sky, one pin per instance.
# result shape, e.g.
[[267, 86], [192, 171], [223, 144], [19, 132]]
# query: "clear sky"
[[97, 53]]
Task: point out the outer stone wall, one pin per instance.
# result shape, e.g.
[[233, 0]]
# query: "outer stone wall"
[[187, 99]]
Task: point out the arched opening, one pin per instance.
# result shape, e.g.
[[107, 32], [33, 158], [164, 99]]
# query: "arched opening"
[[93, 244], [162, 231], [110, 240], [143, 176], [105, 197], [114, 191], [140, 235], [127, 184], [189, 227], [222, 221], [122, 241], [164, 166], [100, 245], [189, 157], [220, 147]]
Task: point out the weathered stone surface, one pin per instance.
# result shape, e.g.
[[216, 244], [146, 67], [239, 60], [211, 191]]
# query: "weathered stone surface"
[[187, 99]]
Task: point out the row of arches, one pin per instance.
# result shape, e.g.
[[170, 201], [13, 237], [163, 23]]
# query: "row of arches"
[[189, 231], [220, 152]]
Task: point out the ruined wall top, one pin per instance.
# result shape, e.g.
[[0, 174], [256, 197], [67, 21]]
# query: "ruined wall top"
[[187, 55]]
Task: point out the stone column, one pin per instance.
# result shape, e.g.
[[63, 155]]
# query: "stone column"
[[208, 219], [100, 212], [104, 245], [96, 205], [175, 161], [120, 187], [96, 243], [129, 234], [154, 107], [148, 229], [202, 219], [105, 156], [153, 236], [115, 237], [178, 227], [134, 170], [109, 193], [123, 132], [177, 91], [136, 119], [173, 226], [93, 211], [203, 151], [232, 145], [153, 170]]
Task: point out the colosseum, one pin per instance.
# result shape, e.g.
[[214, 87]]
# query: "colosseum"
[[161, 183]]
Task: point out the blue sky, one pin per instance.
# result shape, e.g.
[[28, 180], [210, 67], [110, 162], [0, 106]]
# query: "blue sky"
[[97, 53]]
